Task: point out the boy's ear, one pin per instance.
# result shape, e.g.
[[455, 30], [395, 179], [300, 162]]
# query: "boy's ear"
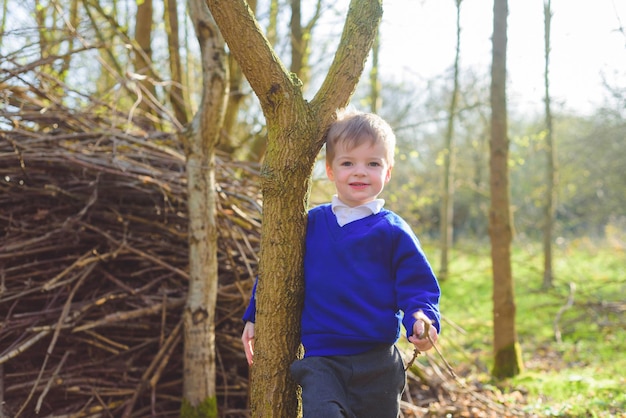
[[329, 172], [388, 175]]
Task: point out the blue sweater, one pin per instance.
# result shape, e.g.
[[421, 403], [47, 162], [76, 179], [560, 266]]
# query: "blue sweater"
[[359, 280]]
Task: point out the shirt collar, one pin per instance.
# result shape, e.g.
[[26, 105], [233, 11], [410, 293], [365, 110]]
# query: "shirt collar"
[[346, 214]]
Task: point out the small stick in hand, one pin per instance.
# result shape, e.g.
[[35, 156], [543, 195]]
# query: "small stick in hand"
[[420, 316]]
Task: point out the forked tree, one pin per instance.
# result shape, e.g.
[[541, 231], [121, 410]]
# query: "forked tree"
[[295, 136], [200, 141]]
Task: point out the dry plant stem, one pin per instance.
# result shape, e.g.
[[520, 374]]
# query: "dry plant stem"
[[420, 316], [24, 346], [569, 304], [126, 316], [47, 388]]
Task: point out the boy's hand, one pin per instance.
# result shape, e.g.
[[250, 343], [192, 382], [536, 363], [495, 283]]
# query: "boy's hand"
[[421, 330], [247, 337]]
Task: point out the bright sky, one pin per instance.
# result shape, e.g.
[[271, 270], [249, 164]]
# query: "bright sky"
[[418, 37]]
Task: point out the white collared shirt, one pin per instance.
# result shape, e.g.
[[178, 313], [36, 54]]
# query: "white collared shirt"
[[346, 214]]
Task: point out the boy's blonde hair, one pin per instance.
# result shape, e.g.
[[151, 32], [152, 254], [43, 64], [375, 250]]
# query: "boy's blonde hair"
[[354, 128]]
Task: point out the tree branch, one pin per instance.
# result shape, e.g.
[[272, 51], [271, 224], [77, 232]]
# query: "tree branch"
[[251, 49]]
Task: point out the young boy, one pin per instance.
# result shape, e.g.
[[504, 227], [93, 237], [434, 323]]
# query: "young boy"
[[363, 269]]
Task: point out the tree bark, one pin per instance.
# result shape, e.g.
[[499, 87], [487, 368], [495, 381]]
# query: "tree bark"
[[551, 170], [199, 386], [143, 61], [507, 361], [177, 97], [295, 136], [447, 196]]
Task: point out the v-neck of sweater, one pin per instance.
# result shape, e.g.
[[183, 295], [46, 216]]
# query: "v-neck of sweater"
[[338, 232]]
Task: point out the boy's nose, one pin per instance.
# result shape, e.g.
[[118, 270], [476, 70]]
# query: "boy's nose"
[[359, 170]]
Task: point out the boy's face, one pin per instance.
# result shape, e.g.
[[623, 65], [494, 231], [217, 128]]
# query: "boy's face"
[[359, 174]]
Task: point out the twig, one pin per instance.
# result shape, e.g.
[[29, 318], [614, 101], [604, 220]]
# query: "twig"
[[568, 304], [24, 346], [44, 392], [127, 316]]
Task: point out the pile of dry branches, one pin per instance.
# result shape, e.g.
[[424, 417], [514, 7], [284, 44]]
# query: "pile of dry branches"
[[93, 259]]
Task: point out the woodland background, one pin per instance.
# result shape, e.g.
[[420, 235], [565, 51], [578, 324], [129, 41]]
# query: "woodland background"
[[97, 93]]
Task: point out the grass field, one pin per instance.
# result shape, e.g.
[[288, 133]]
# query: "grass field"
[[573, 336]]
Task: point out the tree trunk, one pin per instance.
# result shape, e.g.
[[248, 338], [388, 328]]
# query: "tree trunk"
[[375, 99], [297, 39], [143, 62], [551, 176], [236, 96], [272, 25], [40, 18], [199, 386], [295, 136], [177, 97], [300, 38], [507, 361], [111, 68], [447, 195], [3, 20]]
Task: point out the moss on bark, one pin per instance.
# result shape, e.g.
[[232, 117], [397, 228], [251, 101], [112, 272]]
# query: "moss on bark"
[[206, 409], [508, 362]]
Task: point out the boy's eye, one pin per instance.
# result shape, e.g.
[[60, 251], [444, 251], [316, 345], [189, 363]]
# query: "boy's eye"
[[374, 164], [346, 164]]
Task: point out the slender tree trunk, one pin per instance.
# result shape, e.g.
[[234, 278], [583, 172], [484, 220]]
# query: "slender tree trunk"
[[111, 69], [551, 170], [297, 39], [70, 37], [258, 146], [3, 20], [507, 361], [177, 97], [375, 98], [295, 136], [300, 41], [227, 141], [143, 62], [40, 18], [199, 386], [44, 34], [272, 25], [447, 196]]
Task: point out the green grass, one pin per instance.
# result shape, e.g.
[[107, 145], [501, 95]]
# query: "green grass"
[[574, 356]]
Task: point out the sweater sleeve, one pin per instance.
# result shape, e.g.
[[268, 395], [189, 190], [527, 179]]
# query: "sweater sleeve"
[[250, 313], [416, 285]]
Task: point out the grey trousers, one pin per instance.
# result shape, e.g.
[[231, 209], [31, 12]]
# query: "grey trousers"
[[367, 385]]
